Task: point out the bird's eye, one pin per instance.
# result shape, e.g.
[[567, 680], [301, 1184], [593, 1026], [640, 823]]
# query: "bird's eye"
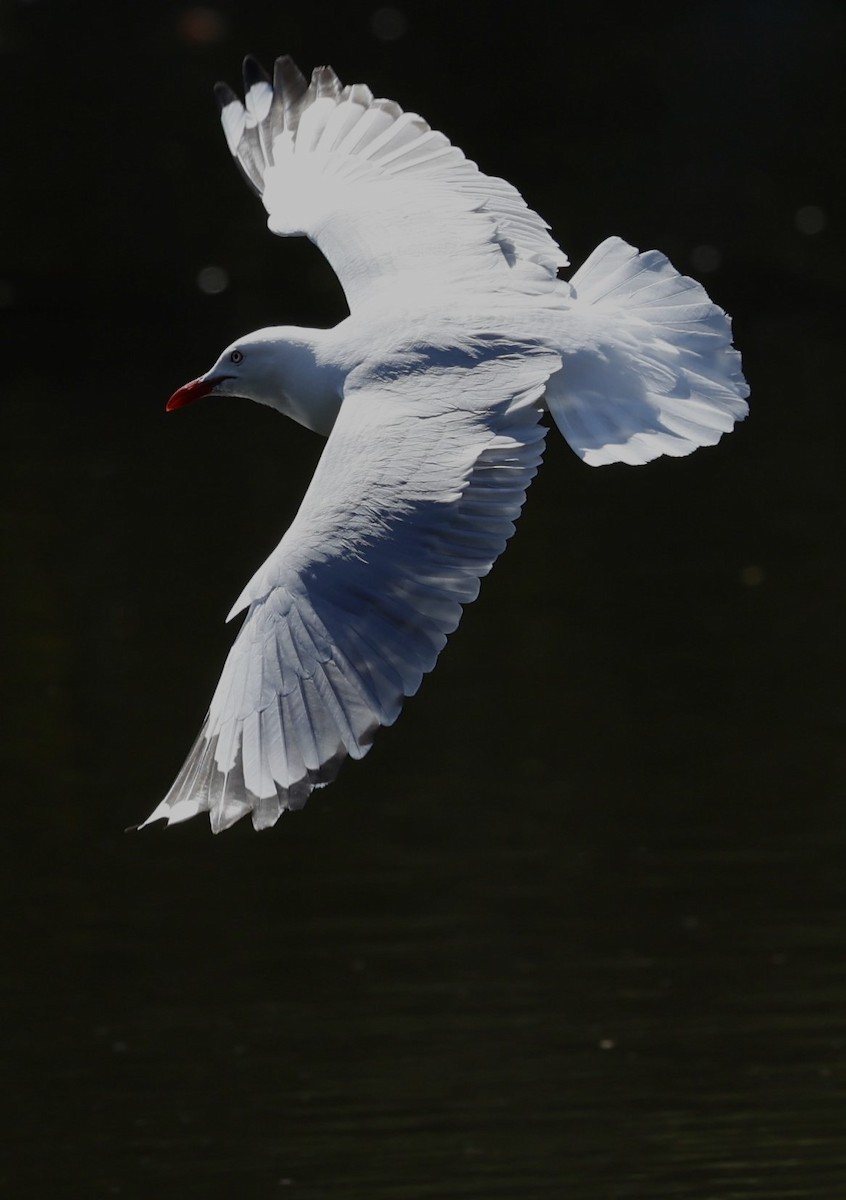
[[236, 356]]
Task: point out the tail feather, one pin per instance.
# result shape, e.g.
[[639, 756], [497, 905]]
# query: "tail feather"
[[651, 369]]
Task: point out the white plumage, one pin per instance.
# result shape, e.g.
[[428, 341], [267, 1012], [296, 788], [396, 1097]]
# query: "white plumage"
[[460, 334]]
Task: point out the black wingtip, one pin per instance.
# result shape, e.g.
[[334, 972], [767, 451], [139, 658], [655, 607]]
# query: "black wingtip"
[[224, 95], [254, 72]]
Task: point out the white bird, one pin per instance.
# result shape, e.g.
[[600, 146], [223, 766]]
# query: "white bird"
[[432, 391]]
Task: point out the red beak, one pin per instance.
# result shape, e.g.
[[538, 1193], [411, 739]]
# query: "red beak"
[[195, 390]]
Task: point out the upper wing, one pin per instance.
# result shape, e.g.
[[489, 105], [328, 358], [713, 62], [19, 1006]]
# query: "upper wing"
[[413, 499], [385, 197]]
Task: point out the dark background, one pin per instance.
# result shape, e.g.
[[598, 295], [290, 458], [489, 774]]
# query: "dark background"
[[577, 925]]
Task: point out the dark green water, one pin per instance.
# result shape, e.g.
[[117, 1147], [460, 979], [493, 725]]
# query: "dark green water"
[[577, 925]]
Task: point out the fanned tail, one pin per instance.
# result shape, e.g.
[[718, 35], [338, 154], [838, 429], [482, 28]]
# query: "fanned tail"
[[651, 369]]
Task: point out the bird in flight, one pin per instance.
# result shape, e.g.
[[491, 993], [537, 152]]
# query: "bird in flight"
[[431, 393]]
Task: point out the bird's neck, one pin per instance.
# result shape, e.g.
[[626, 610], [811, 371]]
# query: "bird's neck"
[[302, 380]]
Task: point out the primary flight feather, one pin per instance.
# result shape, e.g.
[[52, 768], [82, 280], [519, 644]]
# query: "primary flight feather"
[[460, 335]]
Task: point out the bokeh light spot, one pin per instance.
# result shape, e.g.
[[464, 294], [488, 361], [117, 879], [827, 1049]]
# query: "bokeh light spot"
[[752, 576], [388, 23], [810, 219], [201, 26], [706, 258], [212, 280]]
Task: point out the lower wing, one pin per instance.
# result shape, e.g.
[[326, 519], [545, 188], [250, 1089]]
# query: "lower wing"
[[413, 499]]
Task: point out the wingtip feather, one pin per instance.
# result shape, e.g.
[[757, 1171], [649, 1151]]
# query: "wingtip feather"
[[288, 79], [253, 72], [224, 95]]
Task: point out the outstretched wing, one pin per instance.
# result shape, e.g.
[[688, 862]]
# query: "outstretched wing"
[[386, 198], [413, 499]]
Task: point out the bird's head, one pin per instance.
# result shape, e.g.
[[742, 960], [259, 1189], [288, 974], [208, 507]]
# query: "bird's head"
[[282, 367], [248, 368]]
